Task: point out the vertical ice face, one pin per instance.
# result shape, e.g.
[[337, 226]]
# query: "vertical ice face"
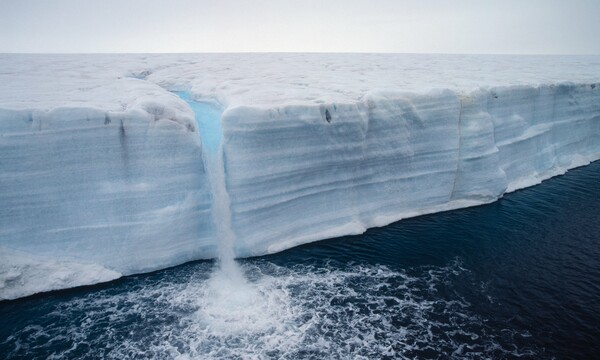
[[513, 137], [126, 191], [411, 154], [479, 176], [289, 172], [303, 173], [541, 132], [295, 176]]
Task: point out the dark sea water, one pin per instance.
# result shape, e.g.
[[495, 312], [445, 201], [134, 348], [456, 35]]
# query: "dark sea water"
[[516, 278]]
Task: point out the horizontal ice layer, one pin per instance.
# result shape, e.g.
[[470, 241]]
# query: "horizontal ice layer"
[[302, 173], [23, 274], [117, 192]]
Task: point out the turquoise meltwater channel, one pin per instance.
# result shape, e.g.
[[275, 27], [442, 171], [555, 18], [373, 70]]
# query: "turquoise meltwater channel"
[[208, 119]]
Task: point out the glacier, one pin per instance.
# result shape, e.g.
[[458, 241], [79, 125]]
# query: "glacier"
[[105, 170]]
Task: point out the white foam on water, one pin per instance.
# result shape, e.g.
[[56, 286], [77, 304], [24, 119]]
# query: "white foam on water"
[[228, 305], [276, 312]]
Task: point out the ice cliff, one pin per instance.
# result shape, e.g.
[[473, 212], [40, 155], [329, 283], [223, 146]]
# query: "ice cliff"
[[294, 176], [103, 171]]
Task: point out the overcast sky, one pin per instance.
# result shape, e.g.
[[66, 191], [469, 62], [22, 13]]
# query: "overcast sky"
[[421, 26]]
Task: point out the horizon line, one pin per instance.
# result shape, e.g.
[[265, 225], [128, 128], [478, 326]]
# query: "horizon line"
[[293, 52]]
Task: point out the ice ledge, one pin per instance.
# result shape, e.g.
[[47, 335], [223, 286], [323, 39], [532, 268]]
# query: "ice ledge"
[[23, 274]]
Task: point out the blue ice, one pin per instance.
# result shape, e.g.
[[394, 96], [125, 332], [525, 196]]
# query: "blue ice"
[[208, 118]]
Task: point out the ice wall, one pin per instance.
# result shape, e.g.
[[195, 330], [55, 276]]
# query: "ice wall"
[[91, 191], [303, 173], [100, 194]]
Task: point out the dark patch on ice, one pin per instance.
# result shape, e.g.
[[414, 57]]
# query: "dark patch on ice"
[[157, 112], [563, 89], [593, 86], [124, 150], [494, 95], [142, 75], [30, 117], [327, 116], [190, 127], [107, 119], [122, 133]]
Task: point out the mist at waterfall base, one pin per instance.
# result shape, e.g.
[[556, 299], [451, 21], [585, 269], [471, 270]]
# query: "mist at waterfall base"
[[518, 277]]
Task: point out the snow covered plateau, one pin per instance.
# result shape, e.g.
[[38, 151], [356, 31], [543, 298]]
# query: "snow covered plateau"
[[106, 170]]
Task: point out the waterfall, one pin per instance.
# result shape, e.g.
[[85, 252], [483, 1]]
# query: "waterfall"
[[208, 120], [221, 212], [230, 303]]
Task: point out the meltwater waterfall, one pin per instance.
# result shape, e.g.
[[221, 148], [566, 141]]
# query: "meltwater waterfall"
[[208, 121], [231, 303]]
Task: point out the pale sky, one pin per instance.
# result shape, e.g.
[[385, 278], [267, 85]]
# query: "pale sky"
[[406, 26]]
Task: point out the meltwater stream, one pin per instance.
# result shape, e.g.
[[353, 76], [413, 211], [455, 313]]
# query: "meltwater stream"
[[518, 278]]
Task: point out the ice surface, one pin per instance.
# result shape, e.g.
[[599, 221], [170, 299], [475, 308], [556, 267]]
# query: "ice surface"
[[114, 82], [102, 169]]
